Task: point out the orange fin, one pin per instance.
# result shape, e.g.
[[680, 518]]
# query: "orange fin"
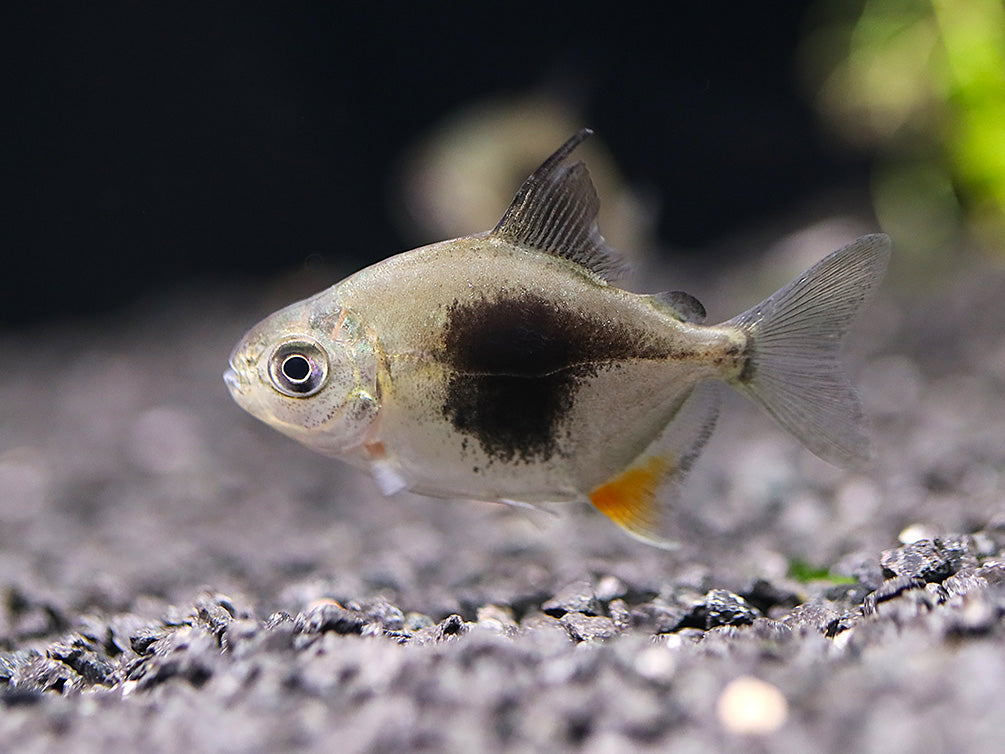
[[630, 501], [637, 498]]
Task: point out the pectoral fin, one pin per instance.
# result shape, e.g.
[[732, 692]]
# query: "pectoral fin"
[[637, 499], [384, 473]]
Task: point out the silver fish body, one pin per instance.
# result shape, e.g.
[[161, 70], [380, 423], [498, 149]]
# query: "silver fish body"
[[506, 366]]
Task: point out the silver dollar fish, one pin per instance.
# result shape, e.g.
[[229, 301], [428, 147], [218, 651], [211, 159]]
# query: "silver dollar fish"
[[505, 366]]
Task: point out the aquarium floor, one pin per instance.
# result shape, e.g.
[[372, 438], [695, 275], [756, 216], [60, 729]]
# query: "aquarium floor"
[[175, 576]]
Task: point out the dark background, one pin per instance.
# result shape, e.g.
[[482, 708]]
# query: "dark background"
[[152, 146]]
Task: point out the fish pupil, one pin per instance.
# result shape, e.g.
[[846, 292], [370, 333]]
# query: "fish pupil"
[[296, 368]]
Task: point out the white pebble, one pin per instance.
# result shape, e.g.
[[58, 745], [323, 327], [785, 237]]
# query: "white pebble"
[[915, 533], [656, 663], [750, 706]]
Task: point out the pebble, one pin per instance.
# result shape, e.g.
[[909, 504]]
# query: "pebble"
[[330, 616], [891, 589], [81, 655], [497, 618], [417, 621], [656, 663], [610, 587], [975, 616], [928, 559], [379, 611], [215, 612], [658, 617], [452, 625], [577, 597], [916, 532], [721, 608], [811, 617], [583, 627], [749, 706], [12, 662], [620, 614]]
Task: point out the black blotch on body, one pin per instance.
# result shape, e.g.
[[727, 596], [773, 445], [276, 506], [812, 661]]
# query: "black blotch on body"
[[516, 363]]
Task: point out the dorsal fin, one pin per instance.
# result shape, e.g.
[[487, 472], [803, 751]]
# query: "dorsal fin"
[[555, 211], [681, 305]]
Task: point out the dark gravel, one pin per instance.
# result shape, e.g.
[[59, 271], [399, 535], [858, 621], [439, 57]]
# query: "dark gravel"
[[176, 577]]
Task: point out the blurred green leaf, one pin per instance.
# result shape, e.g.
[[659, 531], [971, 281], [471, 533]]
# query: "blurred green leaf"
[[803, 572], [922, 84]]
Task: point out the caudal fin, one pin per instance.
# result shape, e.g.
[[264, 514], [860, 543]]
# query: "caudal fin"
[[793, 369]]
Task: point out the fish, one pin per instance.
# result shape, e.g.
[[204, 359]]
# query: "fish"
[[508, 366]]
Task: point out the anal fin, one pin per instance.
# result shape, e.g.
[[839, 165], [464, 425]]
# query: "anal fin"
[[637, 498], [630, 500], [523, 505]]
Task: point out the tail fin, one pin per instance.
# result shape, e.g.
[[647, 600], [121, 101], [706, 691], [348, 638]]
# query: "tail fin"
[[793, 370]]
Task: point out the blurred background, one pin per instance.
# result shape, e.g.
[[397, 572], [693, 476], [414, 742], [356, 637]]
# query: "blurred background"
[[155, 146]]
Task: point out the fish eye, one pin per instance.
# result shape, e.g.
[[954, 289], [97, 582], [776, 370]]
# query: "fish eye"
[[298, 368]]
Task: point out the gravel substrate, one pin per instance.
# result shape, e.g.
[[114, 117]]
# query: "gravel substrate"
[[177, 577]]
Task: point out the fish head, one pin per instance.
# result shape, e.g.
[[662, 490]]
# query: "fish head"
[[309, 371]]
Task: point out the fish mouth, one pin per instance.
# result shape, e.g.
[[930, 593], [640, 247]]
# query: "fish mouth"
[[234, 382]]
